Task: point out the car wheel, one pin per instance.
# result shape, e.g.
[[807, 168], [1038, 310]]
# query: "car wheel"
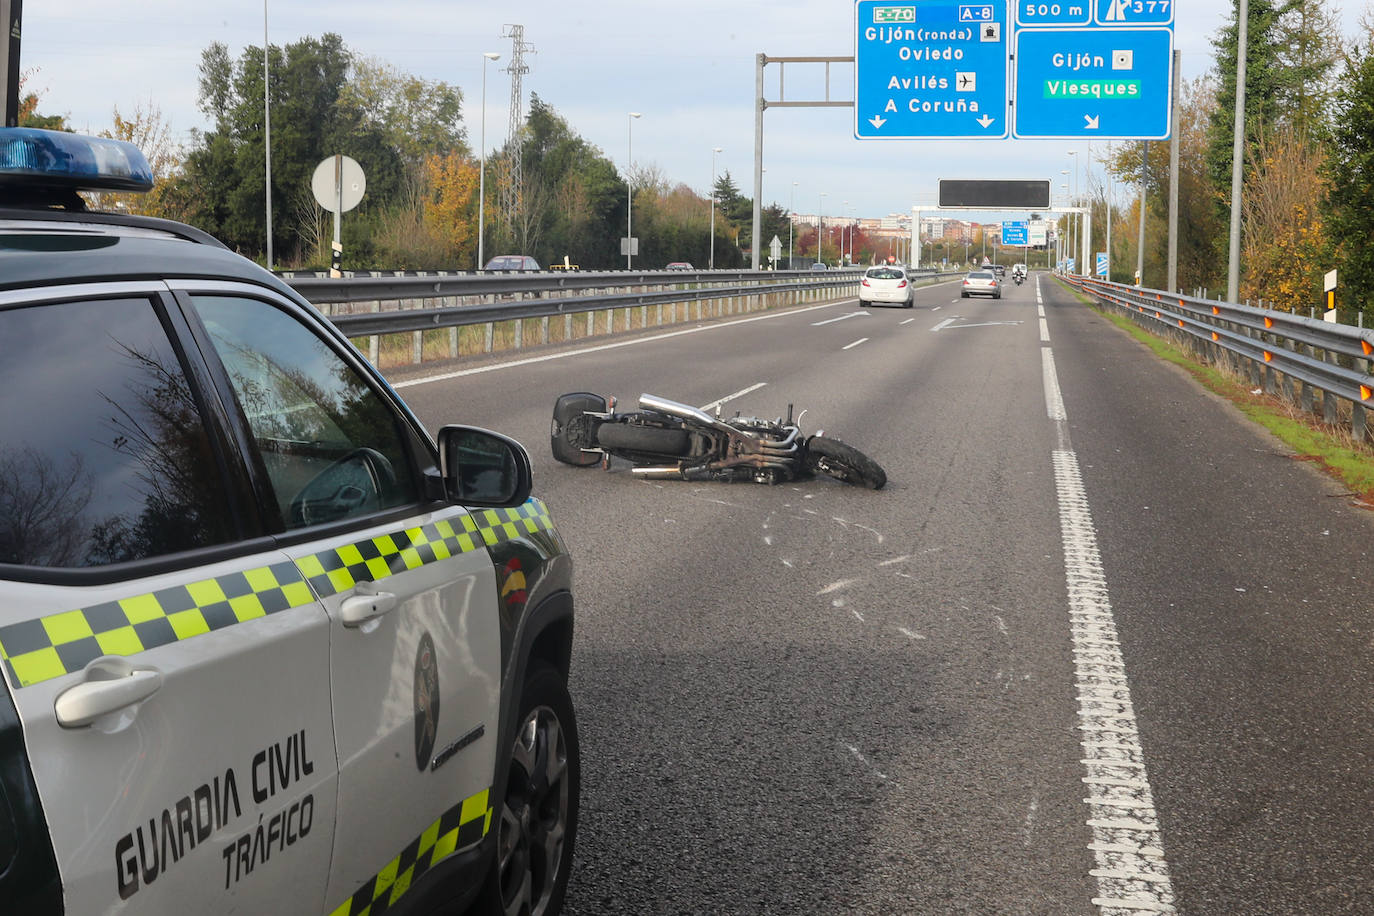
[[537, 818], [997, 295], [963, 295]]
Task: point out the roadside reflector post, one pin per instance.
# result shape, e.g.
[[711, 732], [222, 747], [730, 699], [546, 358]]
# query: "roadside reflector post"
[[1329, 286]]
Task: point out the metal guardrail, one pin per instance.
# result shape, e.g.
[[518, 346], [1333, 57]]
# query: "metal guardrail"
[[1288, 354], [377, 286], [390, 304]]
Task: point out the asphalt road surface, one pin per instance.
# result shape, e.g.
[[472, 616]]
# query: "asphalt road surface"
[[1099, 647]]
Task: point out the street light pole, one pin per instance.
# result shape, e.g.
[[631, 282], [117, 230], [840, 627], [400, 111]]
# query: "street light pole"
[[630, 192], [482, 177], [267, 129], [1076, 226], [711, 263], [820, 227], [791, 221]]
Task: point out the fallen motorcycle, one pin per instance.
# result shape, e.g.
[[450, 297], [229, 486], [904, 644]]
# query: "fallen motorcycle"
[[665, 439]]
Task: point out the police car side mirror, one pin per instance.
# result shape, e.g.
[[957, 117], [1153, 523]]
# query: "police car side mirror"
[[483, 468]]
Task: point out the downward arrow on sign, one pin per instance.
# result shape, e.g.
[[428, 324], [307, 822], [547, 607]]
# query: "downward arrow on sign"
[[877, 121], [1092, 122], [985, 120]]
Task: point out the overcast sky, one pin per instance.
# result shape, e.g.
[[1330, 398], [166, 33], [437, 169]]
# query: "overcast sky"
[[688, 67]]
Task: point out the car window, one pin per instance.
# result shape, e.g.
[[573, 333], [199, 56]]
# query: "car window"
[[105, 457], [331, 445], [980, 275], [886, 273]]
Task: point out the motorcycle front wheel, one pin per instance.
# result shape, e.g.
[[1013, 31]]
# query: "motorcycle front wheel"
[[843, 462]]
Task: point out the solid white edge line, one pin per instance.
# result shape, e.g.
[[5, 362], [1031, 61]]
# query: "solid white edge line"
[[531, 360], [730, 397], [1132, 874]]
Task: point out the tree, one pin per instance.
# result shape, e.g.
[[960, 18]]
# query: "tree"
[[1348, 207], [28, 108], [150, 132]]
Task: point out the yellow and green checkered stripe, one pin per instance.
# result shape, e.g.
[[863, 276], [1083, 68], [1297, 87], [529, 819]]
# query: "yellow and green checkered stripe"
[[38, 650], [47, 647], [340, 569], [458, 828]]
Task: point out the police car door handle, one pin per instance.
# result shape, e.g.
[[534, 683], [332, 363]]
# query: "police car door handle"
[[365, 606], [83, 704]]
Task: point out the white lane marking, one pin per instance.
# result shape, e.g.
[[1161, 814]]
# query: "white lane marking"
[[937, 308], [836, 586], [908, 321], [981, 324], [855, 343], [860, 757], [944, 324], [1044, 330], [909, 634], [1054, 399], [816, 324], [730, 397], [1128, 846], [895, 560], [531, 360]]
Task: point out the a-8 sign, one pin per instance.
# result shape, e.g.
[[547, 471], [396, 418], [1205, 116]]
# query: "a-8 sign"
[[930, 69]]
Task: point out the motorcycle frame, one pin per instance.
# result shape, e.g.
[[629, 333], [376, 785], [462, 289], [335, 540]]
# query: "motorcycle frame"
[[743, 450]]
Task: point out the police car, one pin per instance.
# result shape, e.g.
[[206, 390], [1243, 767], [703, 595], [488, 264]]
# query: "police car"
[[268, 647]]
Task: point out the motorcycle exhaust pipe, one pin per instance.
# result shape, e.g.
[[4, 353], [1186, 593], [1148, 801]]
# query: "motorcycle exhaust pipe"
[[663, 473], [684, 412]]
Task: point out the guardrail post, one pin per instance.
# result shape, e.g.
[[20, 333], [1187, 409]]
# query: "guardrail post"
[[1358, 426], [544, 330], [567, 327], [1330, 406], [417, 347], [453, 342], [519, 333], [490, 342]]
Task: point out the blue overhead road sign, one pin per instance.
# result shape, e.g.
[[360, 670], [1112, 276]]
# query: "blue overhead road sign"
[[930, 69], [1015, 232], [1107, 83]]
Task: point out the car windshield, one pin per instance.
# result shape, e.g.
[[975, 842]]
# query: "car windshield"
[[885, 273], [981, 275]]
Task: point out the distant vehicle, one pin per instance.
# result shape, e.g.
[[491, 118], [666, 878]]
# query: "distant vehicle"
[[680, 265], [886, 285], [999, 269], [981, 283], [1019, 269], [820, 265], [513, 262]]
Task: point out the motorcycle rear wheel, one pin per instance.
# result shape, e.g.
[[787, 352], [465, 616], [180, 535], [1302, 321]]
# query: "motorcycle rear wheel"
[[843, 462]]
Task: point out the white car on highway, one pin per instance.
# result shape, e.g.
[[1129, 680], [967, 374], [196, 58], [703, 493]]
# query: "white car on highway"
[[885, 285]]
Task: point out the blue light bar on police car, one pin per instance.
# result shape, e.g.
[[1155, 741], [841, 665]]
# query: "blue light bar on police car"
[[55, 158]]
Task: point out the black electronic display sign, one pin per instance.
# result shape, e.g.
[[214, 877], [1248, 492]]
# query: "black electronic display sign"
[[995, 194]]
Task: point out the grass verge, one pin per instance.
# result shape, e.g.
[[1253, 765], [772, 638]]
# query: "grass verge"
[[1332, 448]]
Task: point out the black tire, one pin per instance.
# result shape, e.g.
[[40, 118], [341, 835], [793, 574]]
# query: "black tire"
[[963, 295], [643, 440], [536, 821], [570, 433], [843, 462]]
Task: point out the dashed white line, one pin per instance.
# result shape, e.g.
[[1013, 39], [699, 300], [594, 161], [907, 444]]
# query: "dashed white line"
[[565, 354], [816, 324], [908, 321], [730, 397], [854, 344]]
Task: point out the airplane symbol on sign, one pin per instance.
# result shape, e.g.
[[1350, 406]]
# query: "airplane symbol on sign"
[[964, 80]]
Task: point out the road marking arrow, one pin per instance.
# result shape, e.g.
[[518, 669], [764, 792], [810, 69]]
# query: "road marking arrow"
[[877, 121], [1092, 122], [985, 120]]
